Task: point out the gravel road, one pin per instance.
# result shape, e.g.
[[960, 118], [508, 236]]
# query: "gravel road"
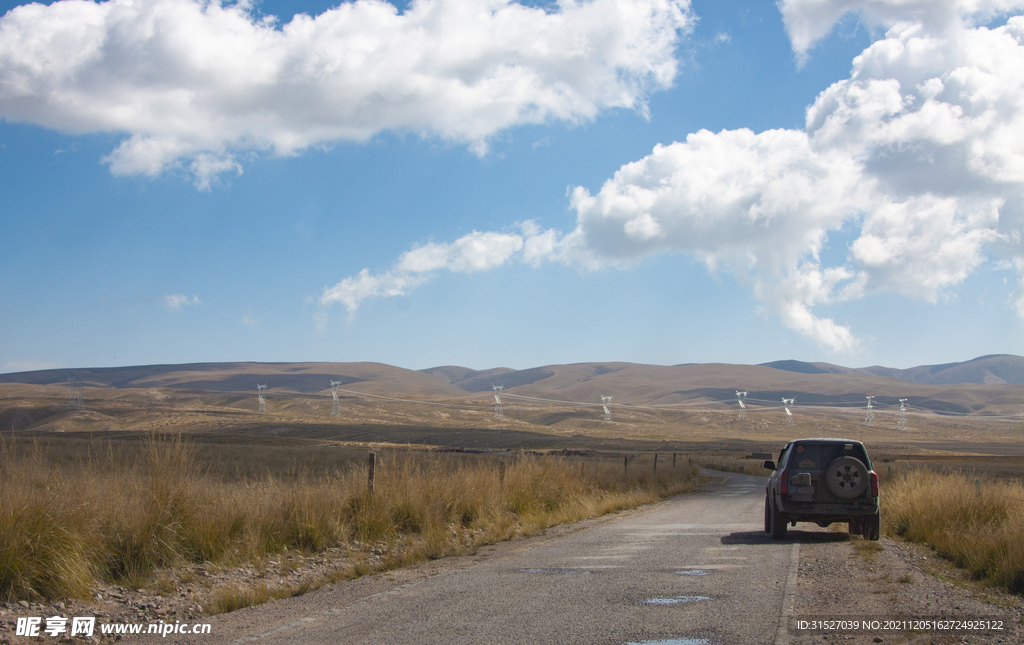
[[697, 567]]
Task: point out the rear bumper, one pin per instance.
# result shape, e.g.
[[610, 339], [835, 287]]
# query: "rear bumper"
[[811, 512]]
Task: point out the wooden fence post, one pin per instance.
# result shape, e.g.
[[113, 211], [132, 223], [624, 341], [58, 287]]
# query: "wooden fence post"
[[625, 464], [655, 463], [370, 473], [501, 472]]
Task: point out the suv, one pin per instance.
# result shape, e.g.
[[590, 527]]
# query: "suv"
[[822, 481]]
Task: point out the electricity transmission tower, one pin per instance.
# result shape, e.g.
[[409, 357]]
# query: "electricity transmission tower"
[[869, 418], [336, 403], [75, 394], [743, 408], [605, 400], [498, 412], [903, 415], [789, 415], [259, 393]]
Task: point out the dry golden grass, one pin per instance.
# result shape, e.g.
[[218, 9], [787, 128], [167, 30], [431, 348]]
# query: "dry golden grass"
[[65, 525], [978, 526], [452, 413]]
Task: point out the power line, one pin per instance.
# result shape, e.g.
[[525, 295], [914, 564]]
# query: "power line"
[[606, 404]]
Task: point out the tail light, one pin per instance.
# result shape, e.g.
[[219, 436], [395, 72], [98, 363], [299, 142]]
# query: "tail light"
[[784, 483], [874, 484]]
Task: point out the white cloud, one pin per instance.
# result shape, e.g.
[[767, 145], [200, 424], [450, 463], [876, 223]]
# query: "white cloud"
[[791, 300], [731, 197], [473, 252], [923, 245], [920, 153], [539, 245], [194, 83], [922, 148], [174, 302], [808, 21], [759, 205], [470, 253], [207, 167], [353, 290]]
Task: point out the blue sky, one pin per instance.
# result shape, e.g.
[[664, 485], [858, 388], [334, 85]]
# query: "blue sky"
[[243, 237]]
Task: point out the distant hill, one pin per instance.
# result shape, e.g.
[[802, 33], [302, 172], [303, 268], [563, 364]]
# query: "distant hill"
[[989, 384], [306, 378], [988, 370], [808, 368], [470, 380], [984, 370]]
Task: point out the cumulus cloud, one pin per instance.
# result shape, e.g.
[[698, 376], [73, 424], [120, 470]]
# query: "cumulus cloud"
[[921, 148], [734, 197], [758, 205], [791, 300], [808, 21], [174, 302], [919, 153], [920, 246], [194, 83]]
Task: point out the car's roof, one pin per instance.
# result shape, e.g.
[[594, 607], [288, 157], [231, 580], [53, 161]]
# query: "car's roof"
[[825, 440]]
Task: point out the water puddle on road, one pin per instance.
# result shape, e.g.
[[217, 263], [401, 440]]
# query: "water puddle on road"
[[672, 641], [675, 600], [693, 572], [556, 572]]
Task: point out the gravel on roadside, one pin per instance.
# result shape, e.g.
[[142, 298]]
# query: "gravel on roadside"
[[891, 580]]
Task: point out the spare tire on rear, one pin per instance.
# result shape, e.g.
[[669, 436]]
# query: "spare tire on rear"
[[847, 477]]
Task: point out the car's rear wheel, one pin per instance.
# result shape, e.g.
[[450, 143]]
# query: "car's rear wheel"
[[872, 526], [778, 524], [847, 477]]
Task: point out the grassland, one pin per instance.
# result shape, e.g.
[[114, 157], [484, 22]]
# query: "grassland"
[[75, 513], [469, 421], [974, 520], [86, 496]]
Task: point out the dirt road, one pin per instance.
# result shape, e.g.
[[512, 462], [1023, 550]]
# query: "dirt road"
[[695, 567]]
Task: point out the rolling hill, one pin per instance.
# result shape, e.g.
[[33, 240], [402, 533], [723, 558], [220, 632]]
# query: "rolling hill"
[[993, 369], [305, 378], [988, 384]]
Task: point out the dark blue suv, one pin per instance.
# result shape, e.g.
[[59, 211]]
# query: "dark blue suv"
[[822, 481]]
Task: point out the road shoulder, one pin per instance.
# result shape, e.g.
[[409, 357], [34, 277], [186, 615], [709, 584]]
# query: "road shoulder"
[[856, 579]]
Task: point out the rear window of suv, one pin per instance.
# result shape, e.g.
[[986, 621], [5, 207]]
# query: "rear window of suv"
[[817, 456]]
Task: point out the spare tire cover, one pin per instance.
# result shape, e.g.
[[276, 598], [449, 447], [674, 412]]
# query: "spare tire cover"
[[847, 477]]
